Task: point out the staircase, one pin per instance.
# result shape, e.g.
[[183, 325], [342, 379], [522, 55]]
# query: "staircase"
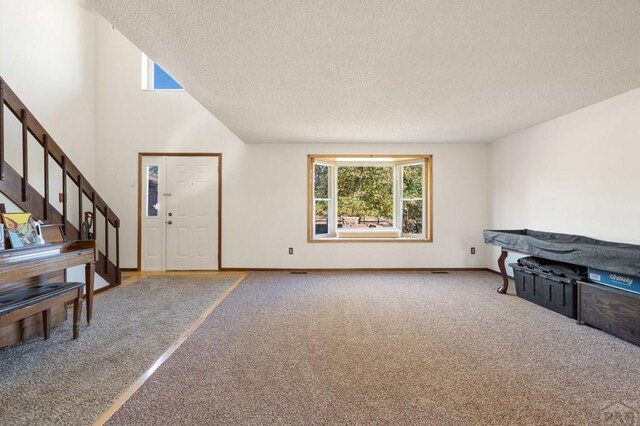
[[16, 187]]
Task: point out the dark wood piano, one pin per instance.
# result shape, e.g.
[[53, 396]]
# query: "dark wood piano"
[[30, 266]]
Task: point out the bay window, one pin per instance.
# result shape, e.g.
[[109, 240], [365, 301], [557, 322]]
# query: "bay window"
[[369, 198]]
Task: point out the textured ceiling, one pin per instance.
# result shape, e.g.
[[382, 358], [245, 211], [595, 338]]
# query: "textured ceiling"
[[384, 70]]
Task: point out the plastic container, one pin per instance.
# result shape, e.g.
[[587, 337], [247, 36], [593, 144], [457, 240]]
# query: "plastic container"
[[558, 294]]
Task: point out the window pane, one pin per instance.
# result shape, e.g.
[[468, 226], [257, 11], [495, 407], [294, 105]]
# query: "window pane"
[[365, 197], [412, 217], [162, 80], [412, 181], [322, 217], [152, 191], [321, 181]]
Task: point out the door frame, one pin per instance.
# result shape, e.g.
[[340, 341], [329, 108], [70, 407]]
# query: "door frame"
[[179, 154]]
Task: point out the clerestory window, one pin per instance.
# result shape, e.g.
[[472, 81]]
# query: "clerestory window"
[[155, 78], [369, 198]]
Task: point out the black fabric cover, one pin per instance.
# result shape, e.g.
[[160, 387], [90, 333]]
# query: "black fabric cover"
[[574, 249], [531, 262], [27, 296], [560, 269]]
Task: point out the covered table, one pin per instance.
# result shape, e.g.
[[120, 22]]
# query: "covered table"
[[576, 249]]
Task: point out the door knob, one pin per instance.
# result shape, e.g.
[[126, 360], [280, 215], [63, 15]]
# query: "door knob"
[[170, 214], [169, 222]]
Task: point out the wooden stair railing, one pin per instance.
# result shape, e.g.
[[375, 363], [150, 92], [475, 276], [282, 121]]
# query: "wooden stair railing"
[[16, 187]]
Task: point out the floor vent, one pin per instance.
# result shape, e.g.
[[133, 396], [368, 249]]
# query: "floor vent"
[[439, 272], [299, 272]]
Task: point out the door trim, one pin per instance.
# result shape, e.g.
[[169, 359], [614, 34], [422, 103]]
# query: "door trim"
[[179, 154]]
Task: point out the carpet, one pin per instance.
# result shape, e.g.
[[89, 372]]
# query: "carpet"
[[66, 382], [387, 348]]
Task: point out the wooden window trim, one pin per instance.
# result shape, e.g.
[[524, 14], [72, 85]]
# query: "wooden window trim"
[[428, 197]]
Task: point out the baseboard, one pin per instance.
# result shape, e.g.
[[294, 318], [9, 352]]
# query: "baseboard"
[[352, 269], [341, 269]]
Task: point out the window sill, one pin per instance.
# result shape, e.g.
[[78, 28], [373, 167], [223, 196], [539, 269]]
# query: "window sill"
[[368, 233], [163, 90], [369, 239]]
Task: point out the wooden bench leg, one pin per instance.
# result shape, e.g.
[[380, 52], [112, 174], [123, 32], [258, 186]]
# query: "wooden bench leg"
[[89, 272], [22, 331], [46, 323], [77, 311]]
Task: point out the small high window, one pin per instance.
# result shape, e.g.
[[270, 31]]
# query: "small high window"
[[155, 78], [370, 198]]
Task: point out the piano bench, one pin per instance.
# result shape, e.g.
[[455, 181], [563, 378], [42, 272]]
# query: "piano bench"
[[21, 303]]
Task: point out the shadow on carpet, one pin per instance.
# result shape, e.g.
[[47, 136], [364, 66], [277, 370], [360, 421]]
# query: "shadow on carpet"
[[61, 381]]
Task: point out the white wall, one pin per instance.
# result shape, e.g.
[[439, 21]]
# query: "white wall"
[[103, 119], [130, 120], [265, 210], [577, 174], [81, 78], [47, 57], [264, 186]]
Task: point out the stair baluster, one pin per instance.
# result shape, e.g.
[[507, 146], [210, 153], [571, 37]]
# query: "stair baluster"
[[18, 189], [1, 130], [80, 219], [45, 144], [106, 240], [25, 154], [64, 194]]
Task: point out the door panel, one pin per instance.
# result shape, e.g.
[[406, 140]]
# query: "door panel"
[[193, 204], [181, 242], [153, 241]]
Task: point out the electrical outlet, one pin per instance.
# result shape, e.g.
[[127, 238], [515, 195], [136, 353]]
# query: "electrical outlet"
[[290, 250], [473, 250]]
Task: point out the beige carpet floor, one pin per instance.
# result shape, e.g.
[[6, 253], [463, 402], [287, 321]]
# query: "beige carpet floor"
[[387, 348], [66, 382]]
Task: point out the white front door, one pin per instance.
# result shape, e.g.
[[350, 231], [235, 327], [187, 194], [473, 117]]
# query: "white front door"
[[192, 212], [180, 231]]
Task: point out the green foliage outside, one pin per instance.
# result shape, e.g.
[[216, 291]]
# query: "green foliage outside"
[[412, 210], [365, 192], [321, 181], [412, 217], [412, 181]]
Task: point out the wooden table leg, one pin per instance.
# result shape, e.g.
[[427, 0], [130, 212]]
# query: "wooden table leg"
[[89, 271], [503, 272], [46, 323], [77, 313]]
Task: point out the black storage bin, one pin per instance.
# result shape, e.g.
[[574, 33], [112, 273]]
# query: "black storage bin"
[[559, 294], [552, 292], [525, 282]]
